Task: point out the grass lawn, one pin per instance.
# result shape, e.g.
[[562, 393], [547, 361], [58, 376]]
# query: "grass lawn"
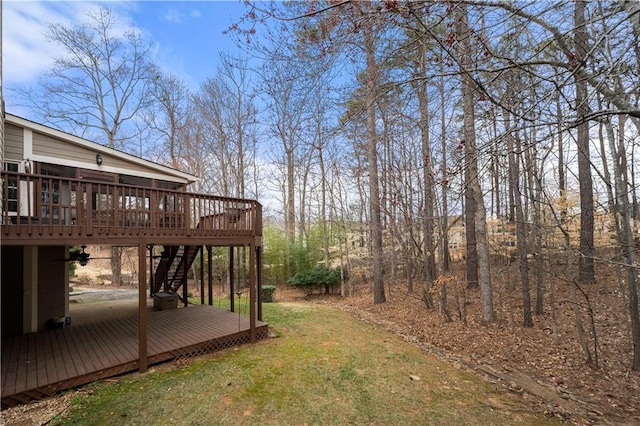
[[324, 368]]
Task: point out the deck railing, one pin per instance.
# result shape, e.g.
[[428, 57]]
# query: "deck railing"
[[48, 206]]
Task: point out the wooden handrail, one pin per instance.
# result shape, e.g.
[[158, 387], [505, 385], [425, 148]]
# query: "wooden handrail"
[[60, 206]]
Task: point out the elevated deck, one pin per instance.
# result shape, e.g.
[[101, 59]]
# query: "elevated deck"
[[37, 365], [47, 210]]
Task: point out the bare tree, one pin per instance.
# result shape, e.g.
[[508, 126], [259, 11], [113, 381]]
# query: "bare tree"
[[170, 113], [514, 184], [101, 83], [226, 112], [427, 171], [289, 97], [372, 156], [473, 180], [99, 86], [585, 262]]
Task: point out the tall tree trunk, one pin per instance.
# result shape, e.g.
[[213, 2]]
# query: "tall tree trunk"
[[372, 166], [606, 175], [536, 181], [470, 165], [479, 213], [635, 208], [586, 272], [582, 335], [290, 218], [495, 168], [534, 159], [427, 175], [323, 207], [626, 240], [303, 229], [335, 196], [116, 252], [562, 183], [521, 240], [471, 256], [116, 265], [445, 184]]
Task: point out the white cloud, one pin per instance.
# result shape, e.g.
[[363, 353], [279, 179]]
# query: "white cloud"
[[26, 52], [27, 55], [173, 16]]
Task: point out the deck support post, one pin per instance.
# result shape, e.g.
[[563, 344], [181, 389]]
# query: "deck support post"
[[202, 275], [165, 276], [185, 280], [252, 292], [30, 289], [259, 279], [143, 361], [209, 270], [151, 283], [230, 274]]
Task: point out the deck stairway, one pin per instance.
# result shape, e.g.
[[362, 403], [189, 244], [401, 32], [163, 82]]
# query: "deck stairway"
[[170, 274]]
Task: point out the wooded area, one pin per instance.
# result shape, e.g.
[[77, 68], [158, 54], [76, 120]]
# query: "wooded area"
[[395, 139], [520, 117]]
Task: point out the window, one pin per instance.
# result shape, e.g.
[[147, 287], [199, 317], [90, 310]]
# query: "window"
[[56, 196], [50, 198], [12, 187]]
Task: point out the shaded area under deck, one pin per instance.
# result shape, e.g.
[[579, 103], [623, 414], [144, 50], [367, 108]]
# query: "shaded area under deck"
[[37, 365]]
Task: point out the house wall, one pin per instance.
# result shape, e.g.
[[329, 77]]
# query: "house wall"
[[55, 148], [12, 142], [1, 115], [51, 284], [52, 288], [61, 152], [24, 140], [12, 290]]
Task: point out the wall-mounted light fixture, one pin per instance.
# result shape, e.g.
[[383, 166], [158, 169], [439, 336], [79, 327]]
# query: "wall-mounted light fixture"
[[99, 160]]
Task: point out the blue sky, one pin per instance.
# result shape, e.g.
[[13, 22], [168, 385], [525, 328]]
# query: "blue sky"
[[188, 35]]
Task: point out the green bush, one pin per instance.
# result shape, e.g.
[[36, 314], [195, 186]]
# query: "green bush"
[[319, 278], [282, 259], [267, 293], [73, 265]]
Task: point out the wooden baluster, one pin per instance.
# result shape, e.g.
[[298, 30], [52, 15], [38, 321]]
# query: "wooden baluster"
[[88, 204], [187, 209]]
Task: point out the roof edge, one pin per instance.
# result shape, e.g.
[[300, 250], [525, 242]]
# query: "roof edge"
[[41, 128]]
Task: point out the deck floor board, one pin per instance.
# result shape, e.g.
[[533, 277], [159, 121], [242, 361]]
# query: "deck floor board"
[[48, 359], [41, 366], [63, 351], [103, 348], [9, 362], [62, 358]]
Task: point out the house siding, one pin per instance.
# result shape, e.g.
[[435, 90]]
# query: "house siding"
[[12, 289], [13, 139], [51, 284], [53, 148], [50, 147]]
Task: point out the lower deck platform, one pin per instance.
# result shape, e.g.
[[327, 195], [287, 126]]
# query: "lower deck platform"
[[37, 365]]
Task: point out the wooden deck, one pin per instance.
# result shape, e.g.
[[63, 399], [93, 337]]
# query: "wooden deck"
[[47, 210], [37, 365]]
